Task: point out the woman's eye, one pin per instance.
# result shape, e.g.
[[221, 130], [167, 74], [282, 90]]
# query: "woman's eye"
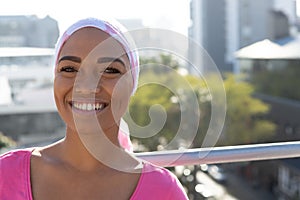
[[111, 70], [68, 69]]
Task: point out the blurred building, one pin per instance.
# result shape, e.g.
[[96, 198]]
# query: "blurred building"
[[264, 34], [29, 31], [273, 68], [289, 179], [223, 26], [27, 110], [152, 42]]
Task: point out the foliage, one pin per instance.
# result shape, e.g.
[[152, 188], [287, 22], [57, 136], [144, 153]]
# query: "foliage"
[[163, 60], [153, 89], [245, 115], [6, 141], [279, 80], [160, 85]]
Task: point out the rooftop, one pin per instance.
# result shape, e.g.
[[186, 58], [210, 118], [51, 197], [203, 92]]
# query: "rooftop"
[[286, 48]]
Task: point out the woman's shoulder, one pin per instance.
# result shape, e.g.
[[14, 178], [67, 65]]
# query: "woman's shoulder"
[[153, 172], [15, 174], [14, 157], [11, 154], [159, 182]]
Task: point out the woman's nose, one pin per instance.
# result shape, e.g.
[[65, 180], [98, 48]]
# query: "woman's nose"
[[87, 84]]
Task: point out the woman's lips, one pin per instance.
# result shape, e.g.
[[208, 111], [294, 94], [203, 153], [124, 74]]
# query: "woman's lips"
[[87, 106]]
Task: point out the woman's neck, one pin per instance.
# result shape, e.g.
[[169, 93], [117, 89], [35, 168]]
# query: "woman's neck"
[[74, 153], [91, 152]]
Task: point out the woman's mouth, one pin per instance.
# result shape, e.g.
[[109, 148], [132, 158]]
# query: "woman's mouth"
[[88, 106]]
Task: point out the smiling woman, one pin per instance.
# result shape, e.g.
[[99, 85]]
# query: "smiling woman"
[[96, 72]]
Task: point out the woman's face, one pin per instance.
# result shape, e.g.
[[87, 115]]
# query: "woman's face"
[[92, 80]]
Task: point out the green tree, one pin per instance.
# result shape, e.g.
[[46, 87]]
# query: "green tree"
[[280, 80], [244, 121], [152, 91], [6, 141]]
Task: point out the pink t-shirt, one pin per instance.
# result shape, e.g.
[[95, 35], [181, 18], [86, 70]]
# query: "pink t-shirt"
[[155, 182]]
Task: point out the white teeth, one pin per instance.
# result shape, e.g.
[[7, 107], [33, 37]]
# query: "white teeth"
[[88, 106]]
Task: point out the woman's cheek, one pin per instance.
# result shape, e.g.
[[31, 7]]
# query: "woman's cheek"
[[62, 88], [63, 84], [121, 96]]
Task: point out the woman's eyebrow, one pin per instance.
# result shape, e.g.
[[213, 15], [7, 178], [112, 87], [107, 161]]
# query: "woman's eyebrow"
[[71, 58], [109, 59]]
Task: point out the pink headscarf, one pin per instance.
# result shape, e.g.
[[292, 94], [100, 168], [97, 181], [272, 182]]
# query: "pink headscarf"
[[117, 31]]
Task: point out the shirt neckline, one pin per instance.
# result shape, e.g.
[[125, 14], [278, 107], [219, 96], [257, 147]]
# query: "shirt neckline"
[[28, 176]]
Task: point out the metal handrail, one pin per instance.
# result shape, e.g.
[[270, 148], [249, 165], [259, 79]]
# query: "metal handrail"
[[226, 154]]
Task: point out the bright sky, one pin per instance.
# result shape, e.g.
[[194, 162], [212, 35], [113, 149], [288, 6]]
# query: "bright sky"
[[298, 7], [168, 14]]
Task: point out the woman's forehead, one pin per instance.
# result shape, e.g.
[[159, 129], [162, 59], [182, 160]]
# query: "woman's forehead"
[[92, 42]]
